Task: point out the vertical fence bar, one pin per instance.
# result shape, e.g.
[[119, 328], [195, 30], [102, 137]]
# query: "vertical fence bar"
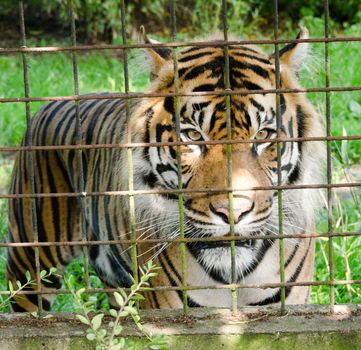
[[30, 157], [229, 153], [279, 162], [179, 158], [329, 165], [129, 150], [78, 141]]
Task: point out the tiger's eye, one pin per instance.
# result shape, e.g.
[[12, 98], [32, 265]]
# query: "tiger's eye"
[[193, 135], [262, 134]]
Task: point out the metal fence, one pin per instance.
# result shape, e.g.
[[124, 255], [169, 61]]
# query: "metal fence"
[[30, 149]]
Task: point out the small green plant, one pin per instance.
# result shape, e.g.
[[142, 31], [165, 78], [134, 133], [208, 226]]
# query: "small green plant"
[[108, 336], [5, 300]]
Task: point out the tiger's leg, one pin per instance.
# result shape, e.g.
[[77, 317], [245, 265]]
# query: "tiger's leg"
[[56, 219], [111, 267]]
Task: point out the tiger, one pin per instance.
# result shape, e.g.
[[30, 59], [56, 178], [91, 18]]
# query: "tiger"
[[199, 169]]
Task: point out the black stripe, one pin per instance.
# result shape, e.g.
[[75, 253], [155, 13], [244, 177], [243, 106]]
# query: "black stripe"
[[283, 104], [216, 273], [170, 264], [300, 125], [89, 133], [262, 250], [292, 254], [212, 122], [49, 118], [295, 175], [38, 121], [248, 118], [165, 167], [86, 106], [154, 297], [276, 298], [120, 267], [18, 214], [17, 308], [150, 179], [221, 127], [43, 235], [251, 86], [254, 68], [193, 57], [13, 265], [256, 104], [195, 48], [237, 74], [256, 58], [205, 87], [190, 302], [160, 129], [169, 196], [245, 48], [287, 48], [169, 105], [215, 66]]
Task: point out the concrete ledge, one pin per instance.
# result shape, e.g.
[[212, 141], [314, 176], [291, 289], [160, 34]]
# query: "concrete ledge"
[[251, 328]]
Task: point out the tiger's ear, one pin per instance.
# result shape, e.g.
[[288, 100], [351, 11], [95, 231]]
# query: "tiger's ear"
[[157, 55], [294, 54]]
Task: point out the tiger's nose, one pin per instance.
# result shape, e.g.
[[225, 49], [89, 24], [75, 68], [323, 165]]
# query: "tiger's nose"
[[239, 211]]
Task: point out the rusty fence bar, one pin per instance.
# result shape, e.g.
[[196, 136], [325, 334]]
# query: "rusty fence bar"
[[281, 243], [328, 163], [174, 45], [177, 143], [78, 139], [80, 192], [30, 156], [195, 93], [227, 85], [182, 240], [129, 151], [176, 191], [201, 287], [179, 158]]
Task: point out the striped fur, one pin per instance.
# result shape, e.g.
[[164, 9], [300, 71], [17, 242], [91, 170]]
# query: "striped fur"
[[157, 215]]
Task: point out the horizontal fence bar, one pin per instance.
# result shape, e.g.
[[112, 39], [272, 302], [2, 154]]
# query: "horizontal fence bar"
[[133, 95], [175, 143], [199, 44], [182, 240], [180, 288], [177, 191]]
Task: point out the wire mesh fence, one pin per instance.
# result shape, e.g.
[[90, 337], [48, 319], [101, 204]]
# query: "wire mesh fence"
[[182, 240]]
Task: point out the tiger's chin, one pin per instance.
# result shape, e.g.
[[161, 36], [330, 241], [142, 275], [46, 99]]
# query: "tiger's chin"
[[215, 257], [217, 260]]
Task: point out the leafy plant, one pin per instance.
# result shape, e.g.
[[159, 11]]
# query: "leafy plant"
[[108, 337], [75, 274], [13, 291]]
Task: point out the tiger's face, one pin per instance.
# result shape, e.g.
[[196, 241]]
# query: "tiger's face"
[[243, 166]]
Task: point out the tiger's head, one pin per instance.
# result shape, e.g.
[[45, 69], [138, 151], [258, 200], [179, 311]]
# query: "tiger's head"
[[243, 166]]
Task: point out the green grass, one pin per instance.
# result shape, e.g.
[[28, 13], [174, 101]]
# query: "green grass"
[[51, 75], [346, 217]]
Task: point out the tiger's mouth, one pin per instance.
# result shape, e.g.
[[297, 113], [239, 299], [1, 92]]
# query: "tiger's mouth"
[[249, 243], [244, 243]]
